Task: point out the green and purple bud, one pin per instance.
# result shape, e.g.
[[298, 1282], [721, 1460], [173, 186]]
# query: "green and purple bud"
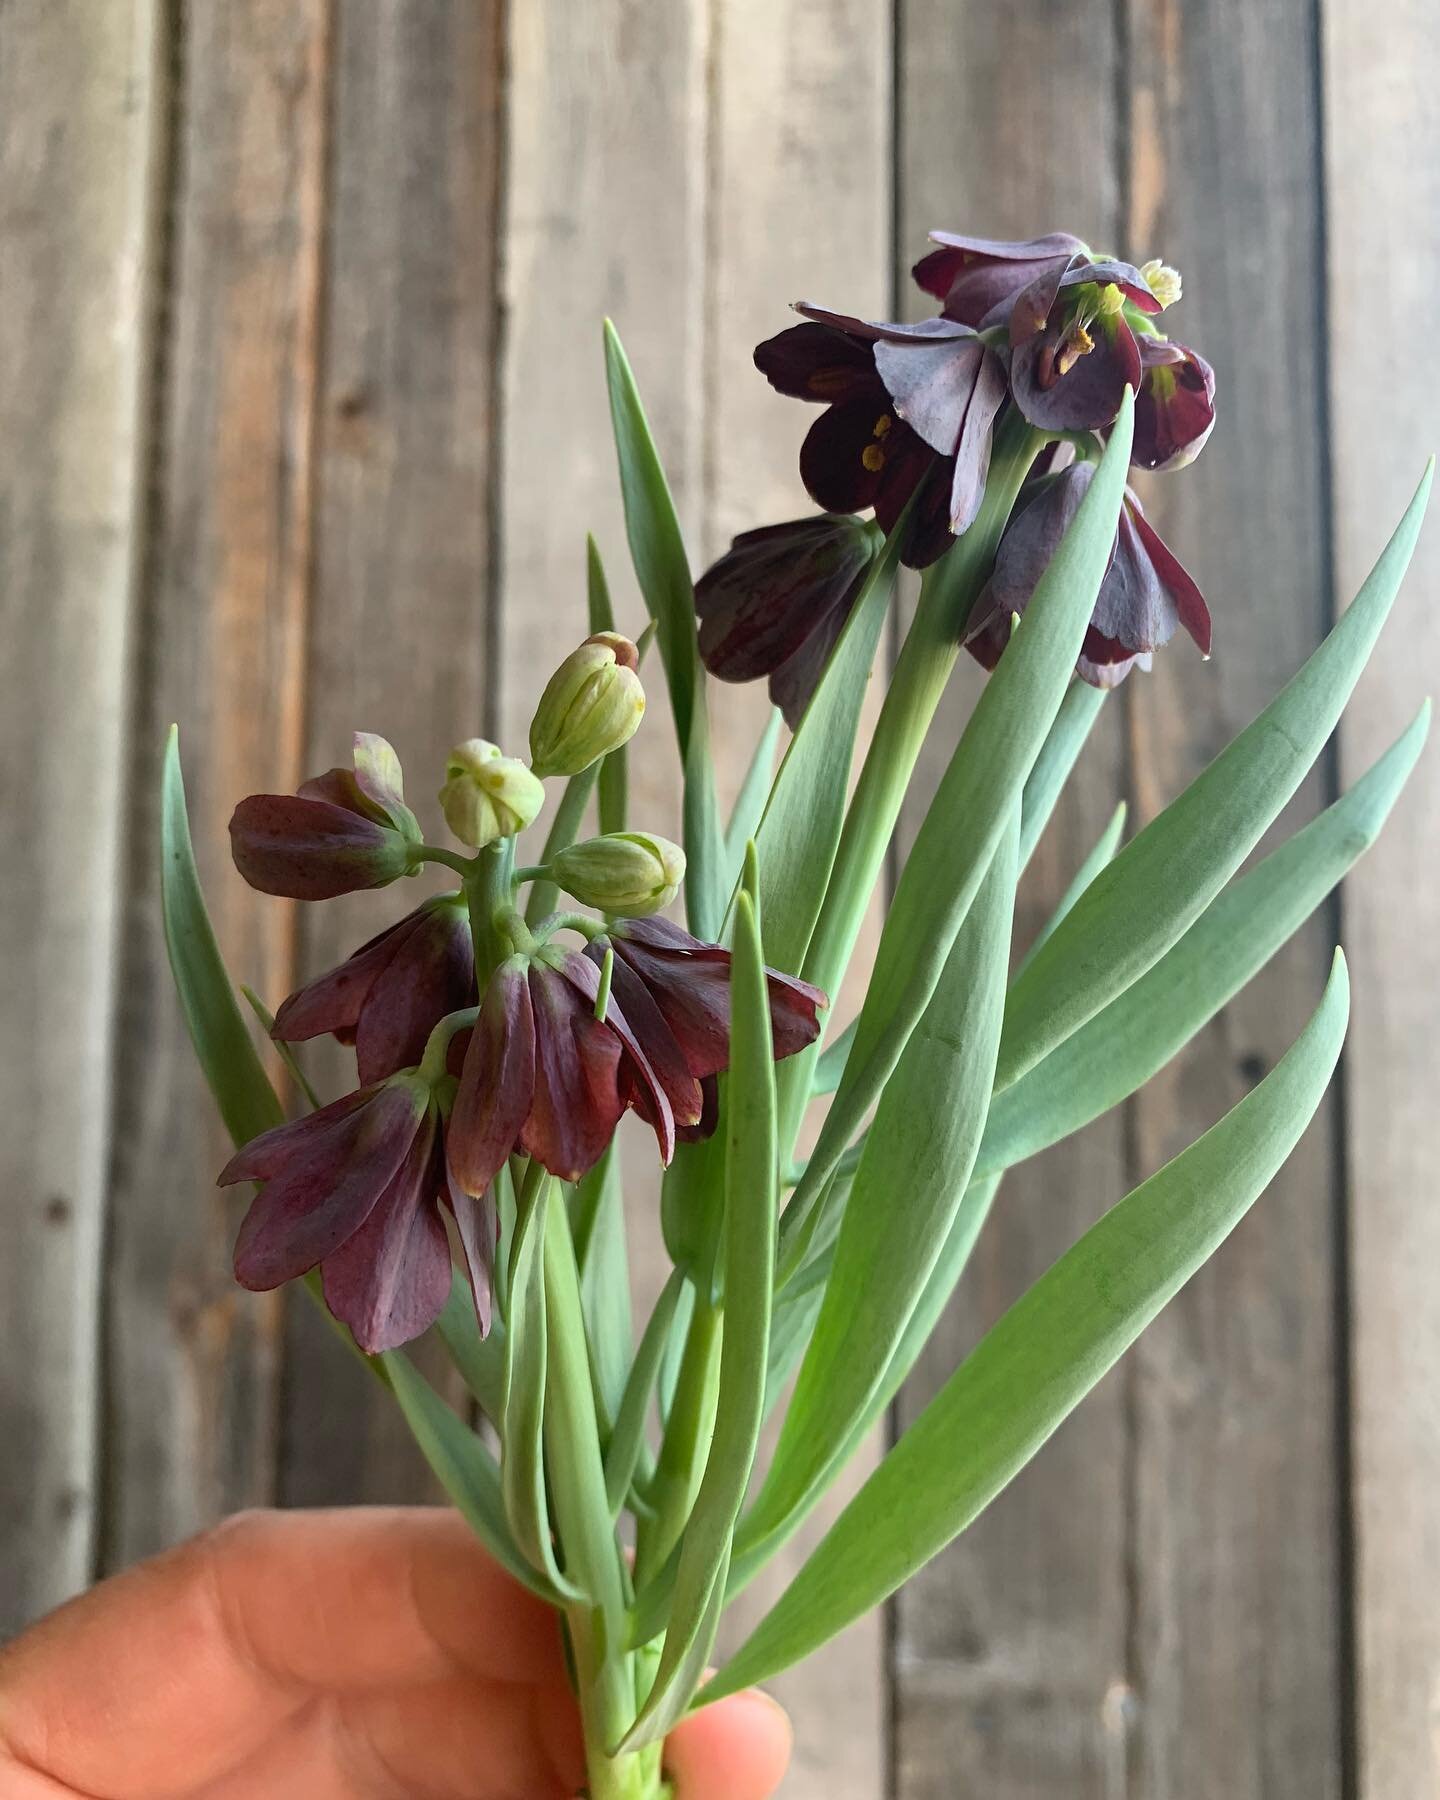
[[627, 874], [592, 704], [342, 831], [487, 795]]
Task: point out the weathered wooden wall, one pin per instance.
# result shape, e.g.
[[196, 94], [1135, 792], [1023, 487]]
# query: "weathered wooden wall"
[[304, 425]]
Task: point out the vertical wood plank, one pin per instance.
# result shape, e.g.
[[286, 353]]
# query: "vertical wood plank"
[[78, 100], [800, 189], [1010, 1649], [1234, 1557], [1383, 183], [193, 1360], [400, 616]]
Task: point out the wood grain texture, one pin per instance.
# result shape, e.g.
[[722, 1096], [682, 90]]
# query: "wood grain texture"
[[1234, 1557], [400, 618], [193, 1361], [799, 185], [1010, 1649], [1383, 182], [77, 143]]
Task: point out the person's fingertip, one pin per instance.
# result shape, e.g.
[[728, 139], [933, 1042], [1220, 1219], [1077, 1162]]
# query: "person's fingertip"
[[737, 1749]]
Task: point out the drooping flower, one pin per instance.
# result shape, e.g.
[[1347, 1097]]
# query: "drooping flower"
[[488, 795], [776, 602], [903, 403], [1145, 594], [355, 1188], [592, 704], [388, 996], [543, 1075], [973, 277], [1175, 408], [628, 874], [341, 831]]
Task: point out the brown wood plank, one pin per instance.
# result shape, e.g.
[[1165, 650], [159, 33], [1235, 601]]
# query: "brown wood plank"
[[400, 617], [800, 181], [1383, 183], [1236, 1623], [1010, 1649], [193, 1360], [79, 97]]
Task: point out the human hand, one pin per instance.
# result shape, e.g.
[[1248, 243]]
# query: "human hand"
[[357, 1654]]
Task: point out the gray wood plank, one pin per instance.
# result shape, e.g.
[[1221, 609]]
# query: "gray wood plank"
[[1010, 1649], [400, 617], [1383, 183], [193, 1361], [1234, 1556], [78, 101]]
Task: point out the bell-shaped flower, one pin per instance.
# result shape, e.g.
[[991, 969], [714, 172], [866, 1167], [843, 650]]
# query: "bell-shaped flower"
[[355, 1188], [1175, 408], [388, 996], [903, 403], [542, 1074], [776, 602], [1145, 594], [975, 277], [342, 831]]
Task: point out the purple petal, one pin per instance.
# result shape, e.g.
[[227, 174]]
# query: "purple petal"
[[477, 1225], [431, 974], [812, 362], [332, 1001], [1175, 408], [308, 849], [879, 331], [312, 1136], [1088, 395], [932, 384], [316, 1201], [794, 681], [845, 452], [973, 276], [637, 1080], [389, 1281], [1189, 602], [1125, 276], [497, 1081], [577, 1102], [1030, 310], [662, 1054], [972, 456]]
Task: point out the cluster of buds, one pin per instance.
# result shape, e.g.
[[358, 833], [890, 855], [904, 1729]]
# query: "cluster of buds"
[[460, 1066], [1043, 331]]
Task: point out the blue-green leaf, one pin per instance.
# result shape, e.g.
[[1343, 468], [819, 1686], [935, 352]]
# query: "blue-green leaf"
[[754, 792], [1074, 722], [598, 1228], [614, 783], [1168, 874], [1043, 1357], [1100, 857], [627, 1440]]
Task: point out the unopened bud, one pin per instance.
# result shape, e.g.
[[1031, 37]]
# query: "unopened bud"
[[628, 874], [592, 704], [487, 795]]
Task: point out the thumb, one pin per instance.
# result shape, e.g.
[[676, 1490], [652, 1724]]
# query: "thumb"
[[737, 1749]]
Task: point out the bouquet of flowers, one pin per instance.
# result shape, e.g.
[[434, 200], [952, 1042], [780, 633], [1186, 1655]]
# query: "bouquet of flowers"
[[823, 1190]]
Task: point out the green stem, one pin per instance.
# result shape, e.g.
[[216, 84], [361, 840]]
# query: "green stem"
[[686, 1442], [922, 670], [605, 1670], [488, 888]]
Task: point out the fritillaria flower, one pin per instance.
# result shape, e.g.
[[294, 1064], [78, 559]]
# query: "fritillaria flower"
[[1145, 594], [1175, 408], [390, 994], [903, 403], [776, 602], [342, 831], [355, 1188], [544, 1076]]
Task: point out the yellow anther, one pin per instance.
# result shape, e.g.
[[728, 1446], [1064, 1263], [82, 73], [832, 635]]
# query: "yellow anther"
[[873, 458], [1163, 281], [1111, 300], [1078, 342], [882, 425]]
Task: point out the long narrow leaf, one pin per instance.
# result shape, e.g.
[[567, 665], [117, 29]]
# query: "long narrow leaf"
[[1076, 719], [627, 1440], [801, 825], [1044, 1356], [1100, 857], [614, 782], [959, 835], [749, 804], [1168, 874], [907, 1191], [663, 571], [1140, 1030], [598, 1228], [751, 1191]]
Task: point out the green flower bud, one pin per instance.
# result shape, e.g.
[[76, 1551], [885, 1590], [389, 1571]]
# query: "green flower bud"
[[592, 704], [487, 795], [628, 874]]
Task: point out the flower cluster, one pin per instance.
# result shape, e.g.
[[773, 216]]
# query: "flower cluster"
[[462, 1063], [1042, 330]]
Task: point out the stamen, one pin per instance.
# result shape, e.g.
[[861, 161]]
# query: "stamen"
[[873, 458], [1163, 281], [882, 425]]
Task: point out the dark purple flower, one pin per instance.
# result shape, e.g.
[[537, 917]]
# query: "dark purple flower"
[[1145, 594], [778, 599], [344, 830], [392, 992], [973, 276], [902, 403], [675, 990], [355, 1188], [542, 1074], [1175, 408]]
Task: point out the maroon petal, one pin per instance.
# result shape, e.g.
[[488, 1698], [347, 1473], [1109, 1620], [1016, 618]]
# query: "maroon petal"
[[1189, 602], [309, 849], [1133, 612], [332, 1001], [878, 331], [431, 974], [497, 1080], [340, 788], [310, 1137], [932, 384], [709, 1118], [646, 1025], [974, 275], [1175, 408], [1030, 310], [1111, 273], [577, 1102], [795, 1008], [664, 934], [477, 1225], [638, 1083], [390, 1280], [1088, 395], [319, 1198], [793, 683], [972, 456], [1105, 664], [812, 362], [845, 452], [693, 996]]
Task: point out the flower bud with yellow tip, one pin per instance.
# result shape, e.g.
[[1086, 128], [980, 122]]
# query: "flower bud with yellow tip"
[[487, 795], [592, 704], [628, 874]]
